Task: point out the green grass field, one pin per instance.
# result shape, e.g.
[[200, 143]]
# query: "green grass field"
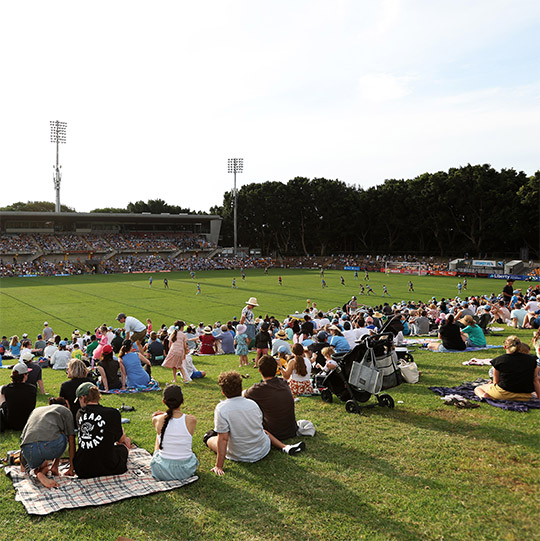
[[420, 471]]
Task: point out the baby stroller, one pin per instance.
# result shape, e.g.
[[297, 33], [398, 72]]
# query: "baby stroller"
[[362, 372]]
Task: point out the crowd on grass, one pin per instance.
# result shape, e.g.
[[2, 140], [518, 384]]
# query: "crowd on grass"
[[293, 357]]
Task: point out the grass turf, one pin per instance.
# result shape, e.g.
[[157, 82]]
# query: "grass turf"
[[422, 470]]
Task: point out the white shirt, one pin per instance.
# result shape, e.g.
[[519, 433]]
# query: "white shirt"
[[133, 325]]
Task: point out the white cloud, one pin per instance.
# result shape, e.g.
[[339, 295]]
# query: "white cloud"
[[383, 86]]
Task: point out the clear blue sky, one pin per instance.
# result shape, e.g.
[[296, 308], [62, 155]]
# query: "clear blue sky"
[[157, 95]]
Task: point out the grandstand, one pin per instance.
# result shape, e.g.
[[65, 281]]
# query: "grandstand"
[[70, 242]]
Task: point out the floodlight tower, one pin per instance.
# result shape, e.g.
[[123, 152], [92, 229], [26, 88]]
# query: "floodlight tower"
[[236, 165], [58, 135]]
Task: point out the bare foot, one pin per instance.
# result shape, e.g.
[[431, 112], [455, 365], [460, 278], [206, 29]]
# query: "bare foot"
[[45, 481]]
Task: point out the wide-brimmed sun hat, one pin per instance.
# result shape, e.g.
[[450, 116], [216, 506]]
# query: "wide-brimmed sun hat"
[[207, 330], [252, 301], [282, 334]]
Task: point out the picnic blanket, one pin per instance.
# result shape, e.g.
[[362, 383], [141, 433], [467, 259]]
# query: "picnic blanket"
[[467, 390], [74, 492], [425, 341], [153, 385]]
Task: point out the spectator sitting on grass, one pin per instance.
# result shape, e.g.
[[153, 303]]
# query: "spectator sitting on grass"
[[34, 371], [17, 399], [108, 368], [238, 428], [61, 357], [275, 399], [77, 374], [103, 446], [472, 334]]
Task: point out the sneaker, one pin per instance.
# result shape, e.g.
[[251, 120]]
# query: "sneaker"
[[295, 448], [210, 434]]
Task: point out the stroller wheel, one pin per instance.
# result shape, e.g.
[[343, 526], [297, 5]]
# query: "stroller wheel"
[[326, 396], [408, 358], [386, 401], [350, 407]]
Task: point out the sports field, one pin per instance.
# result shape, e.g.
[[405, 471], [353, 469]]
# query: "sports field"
[[420, 471], [84, 302]]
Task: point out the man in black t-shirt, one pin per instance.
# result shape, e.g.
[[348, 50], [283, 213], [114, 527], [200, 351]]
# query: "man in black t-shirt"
[[103, 446], [275, 399], [508, 291], [17, 399], [307, 326]]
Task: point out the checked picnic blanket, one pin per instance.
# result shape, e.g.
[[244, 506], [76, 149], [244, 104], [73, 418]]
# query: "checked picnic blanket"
[[74, 492], [467, 390], [153, 385]]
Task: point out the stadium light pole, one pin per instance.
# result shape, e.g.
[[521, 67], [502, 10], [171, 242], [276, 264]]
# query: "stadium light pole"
[[236, 165], [58, 135]]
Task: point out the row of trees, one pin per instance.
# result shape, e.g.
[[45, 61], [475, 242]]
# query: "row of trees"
[[473, 209]]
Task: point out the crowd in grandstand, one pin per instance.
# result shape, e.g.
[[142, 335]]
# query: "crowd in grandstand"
[[107, 242]]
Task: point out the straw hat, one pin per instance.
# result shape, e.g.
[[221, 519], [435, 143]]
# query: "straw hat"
[[207, 330], [252, 301], [282, 334]]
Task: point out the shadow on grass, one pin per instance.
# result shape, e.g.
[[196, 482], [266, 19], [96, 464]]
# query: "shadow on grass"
[[473, 429]]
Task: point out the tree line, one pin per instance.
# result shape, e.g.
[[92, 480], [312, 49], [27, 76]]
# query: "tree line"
[[473, 210]]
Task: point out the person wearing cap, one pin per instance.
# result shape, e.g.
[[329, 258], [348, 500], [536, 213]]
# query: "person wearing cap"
[[17, 399], [273, 395], [77, 374], [238, 432], [47, 332], [208, 342], [34, 370], [280, 340], [47, 433], [61, 357], [226, 340], [248, 319], [517, 316], [50, 349], [314, 351], [135, 330], [39, 346], [108, 368], [103, 446], [173, 456]]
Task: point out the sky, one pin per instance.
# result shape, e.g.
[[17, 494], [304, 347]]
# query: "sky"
[[158, 95]]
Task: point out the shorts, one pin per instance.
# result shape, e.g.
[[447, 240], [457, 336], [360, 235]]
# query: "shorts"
[[499, 393], [166, 469], [37, 452], [138, 336], [262, 351], [196, 374]]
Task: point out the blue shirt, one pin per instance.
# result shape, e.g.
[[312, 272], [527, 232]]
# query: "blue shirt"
[[135, 373], [339, 343]]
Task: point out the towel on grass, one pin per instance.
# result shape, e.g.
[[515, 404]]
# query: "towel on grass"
[[74, 492], [467, 390], [477, 362], [153, 385]]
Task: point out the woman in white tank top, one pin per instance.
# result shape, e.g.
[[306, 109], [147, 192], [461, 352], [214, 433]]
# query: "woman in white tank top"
[[173, 457]]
